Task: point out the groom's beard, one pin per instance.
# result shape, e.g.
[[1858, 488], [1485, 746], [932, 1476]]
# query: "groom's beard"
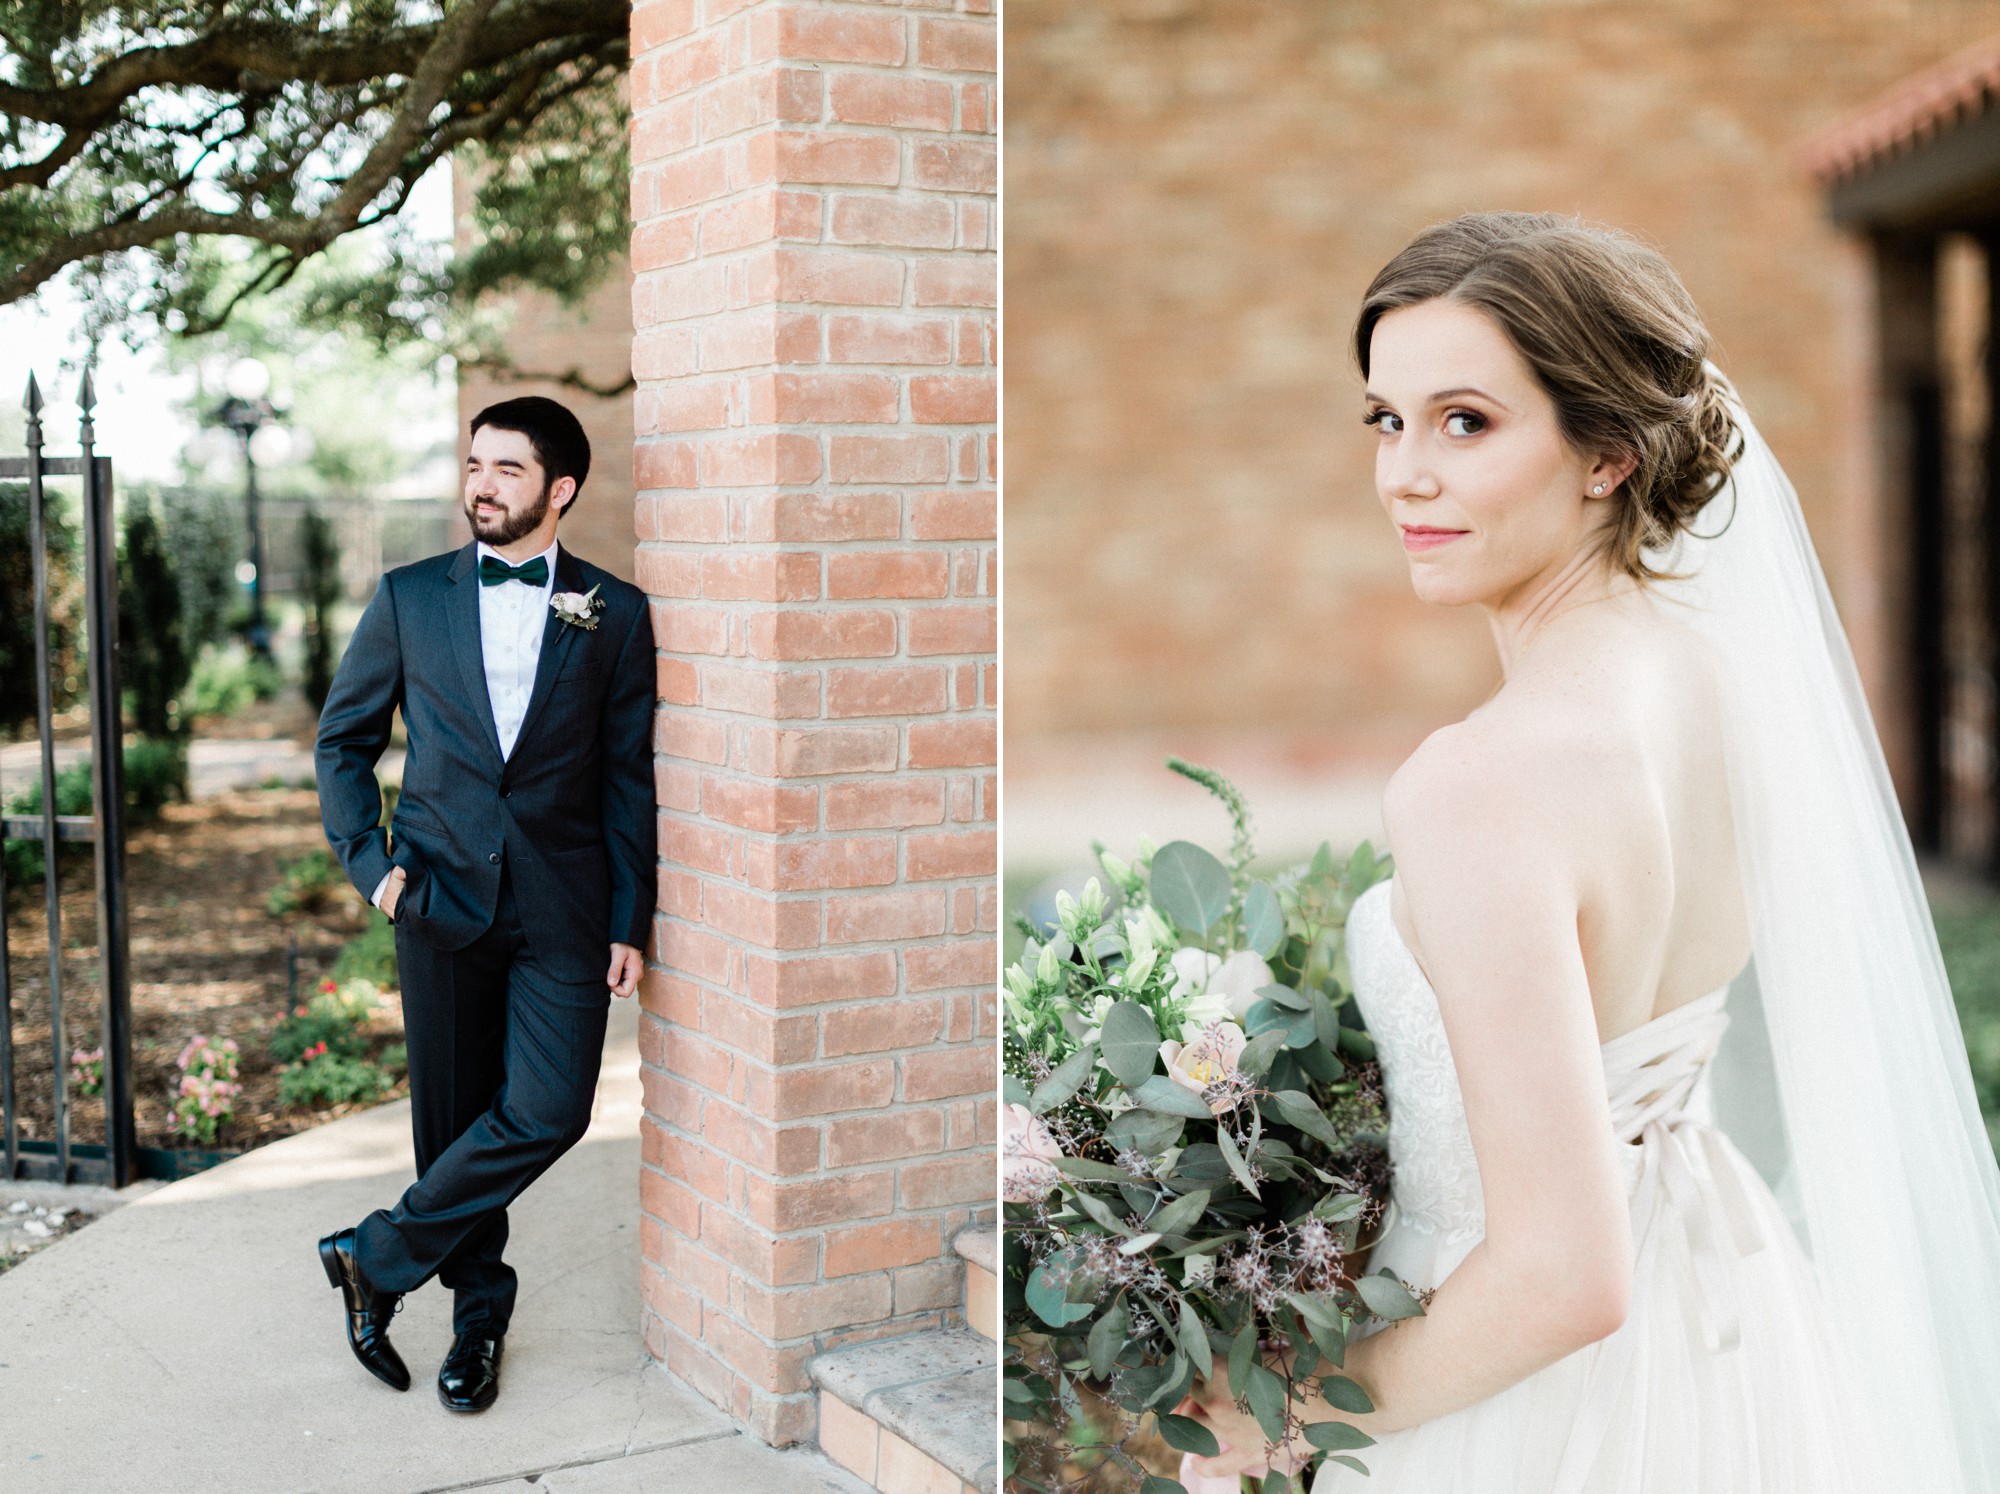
[[510, 526]]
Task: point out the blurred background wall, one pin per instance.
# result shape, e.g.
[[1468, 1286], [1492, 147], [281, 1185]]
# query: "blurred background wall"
[[1196, 196]]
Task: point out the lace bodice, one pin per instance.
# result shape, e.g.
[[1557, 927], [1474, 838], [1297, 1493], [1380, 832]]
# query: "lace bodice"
[[1655, 1076], [1436, 1184]]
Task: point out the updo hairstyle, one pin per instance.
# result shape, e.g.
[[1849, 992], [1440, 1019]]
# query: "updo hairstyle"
[[1613, 337]]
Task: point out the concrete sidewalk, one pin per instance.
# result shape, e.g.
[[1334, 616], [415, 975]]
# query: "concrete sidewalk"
[[215, 766], [189, 1340]]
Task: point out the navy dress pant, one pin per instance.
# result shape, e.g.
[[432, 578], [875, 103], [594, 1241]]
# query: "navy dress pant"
[[503, 1071]]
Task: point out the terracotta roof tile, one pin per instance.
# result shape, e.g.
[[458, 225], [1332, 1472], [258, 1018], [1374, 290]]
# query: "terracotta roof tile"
[[1920, 108]]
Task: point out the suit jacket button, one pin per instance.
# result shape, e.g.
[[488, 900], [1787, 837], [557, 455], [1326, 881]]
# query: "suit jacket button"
[[494, 857]]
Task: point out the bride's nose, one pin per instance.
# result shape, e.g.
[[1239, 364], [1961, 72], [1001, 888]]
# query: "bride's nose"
[[1403, 470]]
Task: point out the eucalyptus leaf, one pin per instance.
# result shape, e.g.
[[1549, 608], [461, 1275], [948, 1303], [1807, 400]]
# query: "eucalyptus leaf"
[[1344, 1394], [1237, 1165], [1131, 1042], [1336, 1436], [1360, 873], [1019, 1394], [1154, 1484], [1267, 1397], [1313, 1307], [1014, 1090], [1357, 1044], [1049, 1300], [1146, 1132], [1107, 1337], [1277, 1481], [1263, 920], [1388, 1298], [1355, 1463], [1326, 1021], [1179, 1381], [1255, 1059], [1298, 1108], [1061, 1086], [1286, 997], [1174, 1218], [1102, 1212], [1194, 1341], [1162, 1094], [1096, 1172], [1342, 1206], [1185, 1434], [1242, 1354], [1139, 1244], [1190, 886]]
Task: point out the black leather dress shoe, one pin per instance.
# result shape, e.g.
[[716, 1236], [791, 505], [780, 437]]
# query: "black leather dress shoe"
[[368, 1311], [469, 1378]]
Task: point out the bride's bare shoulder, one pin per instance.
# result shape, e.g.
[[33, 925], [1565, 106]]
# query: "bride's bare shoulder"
[[1514, 777]]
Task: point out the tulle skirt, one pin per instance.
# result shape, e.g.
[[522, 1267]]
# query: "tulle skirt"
[[1654, 1409]]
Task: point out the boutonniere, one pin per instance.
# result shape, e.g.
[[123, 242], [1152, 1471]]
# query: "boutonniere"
[[580, 609]]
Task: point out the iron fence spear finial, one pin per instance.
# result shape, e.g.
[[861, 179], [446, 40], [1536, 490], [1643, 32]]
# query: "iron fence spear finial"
[[33, 402], [86, 394]]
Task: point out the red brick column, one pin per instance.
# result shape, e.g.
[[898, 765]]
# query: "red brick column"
[[813, 244]]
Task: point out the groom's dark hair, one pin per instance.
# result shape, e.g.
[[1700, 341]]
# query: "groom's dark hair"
[[556, 435]]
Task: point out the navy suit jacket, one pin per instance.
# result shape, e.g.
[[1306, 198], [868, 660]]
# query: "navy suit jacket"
[[570, 812]]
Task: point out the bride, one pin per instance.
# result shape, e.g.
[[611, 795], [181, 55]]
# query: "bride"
[[1673, 806]]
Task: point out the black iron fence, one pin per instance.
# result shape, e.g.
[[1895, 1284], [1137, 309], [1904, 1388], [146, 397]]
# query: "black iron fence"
[[117, 1161]]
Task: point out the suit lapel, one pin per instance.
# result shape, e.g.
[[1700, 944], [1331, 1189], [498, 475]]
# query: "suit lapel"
[[462, 607], [556, 640]]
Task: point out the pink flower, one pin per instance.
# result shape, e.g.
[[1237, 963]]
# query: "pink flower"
[[1207, 1062], [1026, 1150]]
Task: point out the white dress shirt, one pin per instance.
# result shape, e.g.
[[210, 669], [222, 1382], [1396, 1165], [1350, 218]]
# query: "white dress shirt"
[[512, 619]]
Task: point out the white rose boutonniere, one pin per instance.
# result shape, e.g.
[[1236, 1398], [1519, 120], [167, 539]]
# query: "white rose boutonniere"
[[579, 609]]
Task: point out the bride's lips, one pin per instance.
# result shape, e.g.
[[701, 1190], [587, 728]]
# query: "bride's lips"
[[1427, 537]]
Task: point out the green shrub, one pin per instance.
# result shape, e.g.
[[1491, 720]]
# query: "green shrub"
[[73, 796], [327, 1078], [328, 1021], [304, 885], [156, 665], [227, 680], [369, 956], [155, 775], [17, 617], [319, 580]]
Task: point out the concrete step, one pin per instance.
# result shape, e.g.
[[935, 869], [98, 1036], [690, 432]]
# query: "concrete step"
[[978, 1245], [914, 1415]]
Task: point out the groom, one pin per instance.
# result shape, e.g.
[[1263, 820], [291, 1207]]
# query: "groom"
[[520, 873]]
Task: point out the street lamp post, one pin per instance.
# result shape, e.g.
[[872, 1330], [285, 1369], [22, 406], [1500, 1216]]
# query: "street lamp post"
[[247, 411]]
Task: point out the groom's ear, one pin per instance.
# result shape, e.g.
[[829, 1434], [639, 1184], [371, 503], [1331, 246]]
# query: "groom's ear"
[[561, 493]]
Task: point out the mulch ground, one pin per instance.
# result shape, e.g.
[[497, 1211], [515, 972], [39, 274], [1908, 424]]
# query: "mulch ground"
[[207, 960]]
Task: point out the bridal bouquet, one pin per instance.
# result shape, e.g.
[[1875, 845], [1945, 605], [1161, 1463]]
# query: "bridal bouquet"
[[1193, 1156]]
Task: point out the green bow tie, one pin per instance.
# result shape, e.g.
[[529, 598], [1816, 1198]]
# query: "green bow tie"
[[493, 570]]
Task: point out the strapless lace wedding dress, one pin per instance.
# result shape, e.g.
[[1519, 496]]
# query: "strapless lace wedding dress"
[[1723, 1378]]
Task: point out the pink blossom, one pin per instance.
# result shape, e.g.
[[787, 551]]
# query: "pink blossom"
[[1026, 1151]]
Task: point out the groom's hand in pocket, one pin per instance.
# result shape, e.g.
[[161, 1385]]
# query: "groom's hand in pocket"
[[626, 968], [393, 893]]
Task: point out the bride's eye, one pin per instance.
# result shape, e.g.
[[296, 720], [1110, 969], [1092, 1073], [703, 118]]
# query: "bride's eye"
[[1477, 423], [1383, 420]]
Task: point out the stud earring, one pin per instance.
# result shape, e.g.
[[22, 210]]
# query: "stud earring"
[[1598, 489]]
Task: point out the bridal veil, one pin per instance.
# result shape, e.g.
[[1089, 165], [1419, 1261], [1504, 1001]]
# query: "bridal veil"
[[1867, 1106]]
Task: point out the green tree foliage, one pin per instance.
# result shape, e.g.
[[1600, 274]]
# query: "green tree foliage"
[[155, 661], [319, 585], [193, 154], [17, 615]]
